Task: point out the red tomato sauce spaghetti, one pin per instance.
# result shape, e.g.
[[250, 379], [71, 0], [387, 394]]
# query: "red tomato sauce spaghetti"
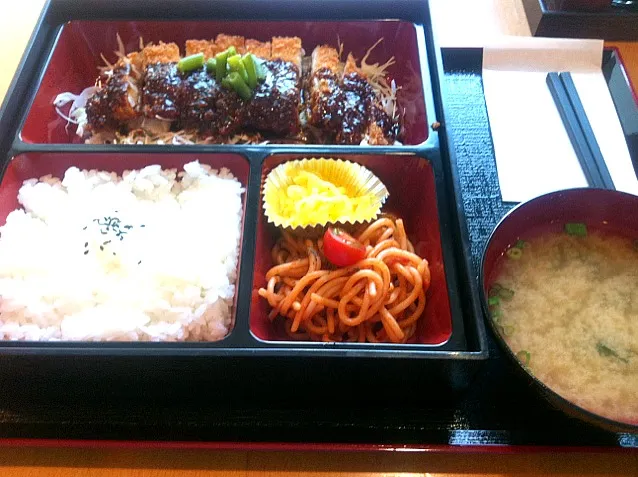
[[379, 299]]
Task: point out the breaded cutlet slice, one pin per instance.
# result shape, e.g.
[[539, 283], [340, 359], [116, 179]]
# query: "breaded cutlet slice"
[[325, 56], [115, 103], [258, 48], [325, 74], [376, 136], [287, 49], [224, 41], [162, 53], [351, 66], [125, 96], [136, 60], [208, 47]]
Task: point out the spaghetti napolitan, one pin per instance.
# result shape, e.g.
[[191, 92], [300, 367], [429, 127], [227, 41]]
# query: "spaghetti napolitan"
[[379, 299]]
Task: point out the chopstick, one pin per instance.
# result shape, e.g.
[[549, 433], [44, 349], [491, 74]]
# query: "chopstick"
[[585, 125], [579, 130]]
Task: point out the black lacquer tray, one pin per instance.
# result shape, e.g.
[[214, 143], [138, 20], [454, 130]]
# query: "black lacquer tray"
[[234, 396], [611, 23]]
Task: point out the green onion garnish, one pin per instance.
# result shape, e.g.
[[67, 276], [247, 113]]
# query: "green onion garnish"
[[514, 253], [506, 293], [495, 313], [493, 291], [577, 229], [606, 351], [235, 81], [236, 72], [220, 65], [237, 65], [493, 301], [251, 70], [191, 63], [521, 244], [524, 357], [508, 330]]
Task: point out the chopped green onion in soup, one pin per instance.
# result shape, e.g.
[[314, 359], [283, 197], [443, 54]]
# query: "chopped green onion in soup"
[[494, 290], [576, 229], [506, 293], [524, 357], [514, 253], [606, 351]]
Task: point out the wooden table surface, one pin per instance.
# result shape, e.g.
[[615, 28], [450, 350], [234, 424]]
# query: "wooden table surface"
[[459, 23]]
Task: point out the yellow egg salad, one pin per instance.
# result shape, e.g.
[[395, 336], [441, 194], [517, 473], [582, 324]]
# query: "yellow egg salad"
[[312, 192]]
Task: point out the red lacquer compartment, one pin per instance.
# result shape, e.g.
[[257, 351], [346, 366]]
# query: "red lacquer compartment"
[[74, 63], [411, 184], [36, 165]]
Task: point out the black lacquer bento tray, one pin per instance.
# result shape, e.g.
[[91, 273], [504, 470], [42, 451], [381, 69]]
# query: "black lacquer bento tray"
[[611, 23], [249, 392]]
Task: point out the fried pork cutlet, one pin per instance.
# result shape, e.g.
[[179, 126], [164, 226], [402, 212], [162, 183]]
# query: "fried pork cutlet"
[[274, 107], [382, 130], [204, 104], [115, 103], [209, 48], [161, 53], [198, 96], [222, 42], [357, 100], [259, 49], [207, 107], [160, 95], [344, 105], [341, 104], [162, 82], [325, 97], [287, 49]]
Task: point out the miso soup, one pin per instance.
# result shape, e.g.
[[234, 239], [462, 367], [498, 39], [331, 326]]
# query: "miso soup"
[[567, 305]]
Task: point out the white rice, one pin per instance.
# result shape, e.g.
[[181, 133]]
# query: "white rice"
[[65, 274]]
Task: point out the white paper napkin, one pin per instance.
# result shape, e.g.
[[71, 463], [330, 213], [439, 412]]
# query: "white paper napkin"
[[533, 152]]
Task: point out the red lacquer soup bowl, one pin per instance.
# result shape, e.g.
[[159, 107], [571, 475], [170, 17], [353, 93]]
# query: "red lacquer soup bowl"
[[605, 212]]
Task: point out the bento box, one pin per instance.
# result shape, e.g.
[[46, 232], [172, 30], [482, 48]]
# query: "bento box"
[[447, 344], [257, 381]]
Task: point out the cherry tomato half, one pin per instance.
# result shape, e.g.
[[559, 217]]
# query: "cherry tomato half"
[[342, 249]]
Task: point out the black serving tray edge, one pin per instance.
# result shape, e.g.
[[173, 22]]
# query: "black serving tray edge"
[[611, 24]]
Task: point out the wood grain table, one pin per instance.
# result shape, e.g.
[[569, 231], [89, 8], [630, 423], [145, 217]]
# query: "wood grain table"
[[459, 23]]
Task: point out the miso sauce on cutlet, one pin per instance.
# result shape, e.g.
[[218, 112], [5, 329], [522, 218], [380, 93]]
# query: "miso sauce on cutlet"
[[274, 106], [358, 96], [162, 83]]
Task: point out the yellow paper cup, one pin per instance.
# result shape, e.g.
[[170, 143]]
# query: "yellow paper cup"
[[308, 194]]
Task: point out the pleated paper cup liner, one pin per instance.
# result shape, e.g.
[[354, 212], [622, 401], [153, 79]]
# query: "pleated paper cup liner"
[[290, 206]]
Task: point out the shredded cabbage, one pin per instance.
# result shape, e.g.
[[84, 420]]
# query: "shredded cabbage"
[[77, 112]]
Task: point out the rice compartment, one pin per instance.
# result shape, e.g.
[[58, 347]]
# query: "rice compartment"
[[99, 257]]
